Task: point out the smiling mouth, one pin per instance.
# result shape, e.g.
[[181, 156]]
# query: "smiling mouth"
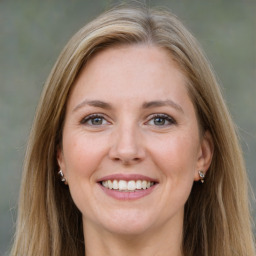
[[127, 186]]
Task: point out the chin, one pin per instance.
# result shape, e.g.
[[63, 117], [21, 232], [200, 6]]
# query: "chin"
[[128, 229], [128, 223]]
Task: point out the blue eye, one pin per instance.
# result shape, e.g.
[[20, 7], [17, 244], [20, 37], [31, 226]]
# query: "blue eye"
[[161, 120], [94, 120]]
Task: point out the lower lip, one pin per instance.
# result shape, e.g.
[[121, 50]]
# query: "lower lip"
[[127, 195]]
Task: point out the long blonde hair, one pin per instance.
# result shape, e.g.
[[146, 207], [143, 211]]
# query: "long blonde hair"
[[217, 218]]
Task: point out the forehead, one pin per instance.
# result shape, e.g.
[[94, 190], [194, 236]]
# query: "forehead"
[[128, 69], [152, 56]]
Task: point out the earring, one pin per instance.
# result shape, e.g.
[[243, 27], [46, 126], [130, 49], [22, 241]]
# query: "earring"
[[62, 177], [202, 176]]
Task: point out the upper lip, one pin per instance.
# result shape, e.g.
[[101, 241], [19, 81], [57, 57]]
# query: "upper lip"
[[126, 177]]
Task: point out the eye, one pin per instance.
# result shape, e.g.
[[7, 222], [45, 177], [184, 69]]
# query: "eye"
[[161, 120], [94, 120]]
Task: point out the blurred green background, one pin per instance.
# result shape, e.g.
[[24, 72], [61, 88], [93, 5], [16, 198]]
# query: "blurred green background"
[[32, 34]]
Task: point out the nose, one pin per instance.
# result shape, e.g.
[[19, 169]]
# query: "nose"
[[127, 145]]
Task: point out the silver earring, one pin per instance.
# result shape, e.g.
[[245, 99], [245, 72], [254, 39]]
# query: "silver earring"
[[201, 176], [62, 177]]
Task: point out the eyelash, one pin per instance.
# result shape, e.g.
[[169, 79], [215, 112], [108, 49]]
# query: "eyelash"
[[87, 119], [165, 118]]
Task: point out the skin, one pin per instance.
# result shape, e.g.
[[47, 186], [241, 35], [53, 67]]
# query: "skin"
[[126, 138]]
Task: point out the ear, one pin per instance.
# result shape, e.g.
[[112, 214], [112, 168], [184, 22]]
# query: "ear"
[[205, 154], [60, 159]]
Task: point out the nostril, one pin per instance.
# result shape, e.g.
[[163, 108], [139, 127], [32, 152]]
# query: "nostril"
[[126, 153], [130, 161]]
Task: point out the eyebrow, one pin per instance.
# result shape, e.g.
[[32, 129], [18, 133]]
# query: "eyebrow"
[[93, 103], [162, 103], [145, 105]]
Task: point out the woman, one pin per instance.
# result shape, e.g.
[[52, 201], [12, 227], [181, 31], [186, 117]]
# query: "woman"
[[132, 151]]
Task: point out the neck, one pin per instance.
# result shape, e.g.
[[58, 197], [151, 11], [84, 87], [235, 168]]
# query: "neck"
[[164, 241]]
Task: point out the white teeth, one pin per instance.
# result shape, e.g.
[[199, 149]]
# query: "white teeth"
[[126, 186], [131, 185], [138, 184], [122, 185], [115, 184], [144, 184], [110, 184]]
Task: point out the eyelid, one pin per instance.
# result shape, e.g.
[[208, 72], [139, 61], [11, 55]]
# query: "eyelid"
[[167, 117], [89, 117]]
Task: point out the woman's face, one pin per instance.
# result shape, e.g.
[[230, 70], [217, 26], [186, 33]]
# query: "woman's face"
[[131, 145]]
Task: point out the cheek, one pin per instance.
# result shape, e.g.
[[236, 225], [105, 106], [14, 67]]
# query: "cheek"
[[176, 156], [175, 159], [82, 155]]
